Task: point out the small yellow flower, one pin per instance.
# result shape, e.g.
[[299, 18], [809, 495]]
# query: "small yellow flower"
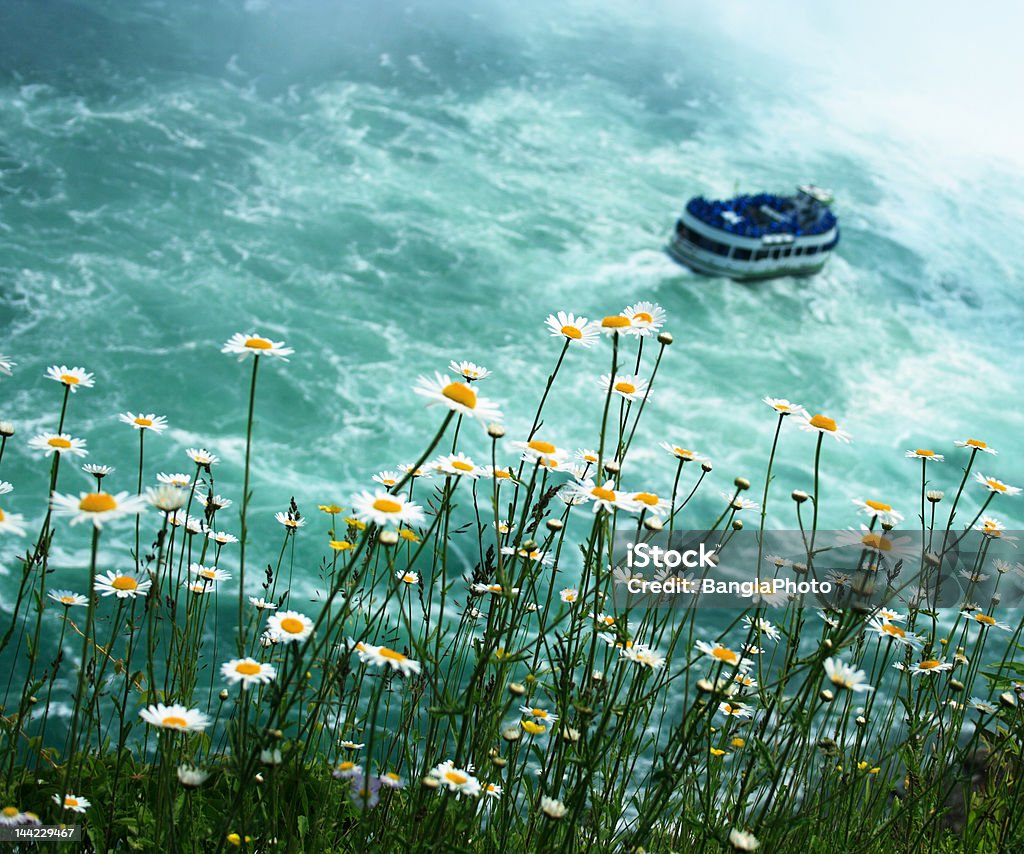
[[355, 523], [533, 728], [340, 545], [236, 840], [408, 534], [332, 509], [738, 742], [716, 752]]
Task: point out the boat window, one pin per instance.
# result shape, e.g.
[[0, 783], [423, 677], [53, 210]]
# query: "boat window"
[[741, 254], [776, 253], [761, 254], [799, 250], [787, 251], [811, 250]]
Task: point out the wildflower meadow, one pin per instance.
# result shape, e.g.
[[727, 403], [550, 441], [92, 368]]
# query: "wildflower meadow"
[[468, 677]]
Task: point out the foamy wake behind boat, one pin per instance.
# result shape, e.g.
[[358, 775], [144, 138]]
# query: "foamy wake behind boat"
[[757, 236]]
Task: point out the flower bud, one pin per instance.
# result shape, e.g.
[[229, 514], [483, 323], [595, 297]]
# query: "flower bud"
[[555, 524], [741, 483], [799, 496], [387, 538], [6, 429], [706, 467], [737, 524], [516, 689], [665, 338], [653, 523], [495, 431], [612, 467], [826, 696], [935, 495]]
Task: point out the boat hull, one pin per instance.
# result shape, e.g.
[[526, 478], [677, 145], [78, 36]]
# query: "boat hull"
[[699, 262]]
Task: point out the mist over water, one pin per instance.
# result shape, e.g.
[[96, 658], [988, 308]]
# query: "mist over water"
[[388, 186]]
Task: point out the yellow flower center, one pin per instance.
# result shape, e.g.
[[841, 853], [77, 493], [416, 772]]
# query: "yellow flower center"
[[462, 466], [538, 713], [542, 447], [456, 778], [10, 812], [895, 631], [823, 422], [69, 379], [624, 387], [144, 422], [247, 668], [572, 332], [70, 801], [386, 505], [877, 542], [985, 618], [384, 652], [602, 493], [293, 626], [878, 505], [683, 453], [615, 321], [929, 664], [124, 582], [174, 721], [924, 452], [408, 578], [976, 443], [460, 393], [995, 485], [67, 600], [648, 498], [642, 317], [258, 344], [58, 442], [346, 766], [723, 654], [1, 515], [502, 474], [97, 502]]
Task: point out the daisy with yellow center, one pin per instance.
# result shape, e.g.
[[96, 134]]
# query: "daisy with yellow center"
[[460, 781], [575, 329], [997, 487], [645, 318], [605, 497], [71, 378], [824, 425], [879, 510], [735, 710], [643, 655], [261, 604], [537, 448], [587, 456], [977, 445], [392, 780], [929, 666], [384, 508], [407, 468], [457, 396], [75, 803], [469, 370], [495, 589], [535, 555], [844, 676], [885, 629], [68, 598], [407, 577], [984, 620], [209, 573], [179, 480], [248, 671], [202, 457], [250, 344], [289, 626], [6, 364], [651, 503], [616, 324], [12, 816], [382, 656], [12, 523], [538, 713], [458, 465], [723, 655], [627, 387], [122, 585], [882, 544], [570, 595], [58, 443], [291, 520], [387, 479], [783, 406], [351, 745], [924, 454], [499, 473], [96, 507], [681, 453], [166, 498], [346, 770], [156, 423], [175, 717], [222, 538]]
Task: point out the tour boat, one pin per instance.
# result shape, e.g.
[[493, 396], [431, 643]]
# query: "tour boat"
[[757, 236]]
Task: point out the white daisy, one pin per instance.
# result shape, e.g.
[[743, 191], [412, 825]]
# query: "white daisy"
[[616, 324], [824, 425], [883, 512], [407, 577], [645, 318], [762, 626], [73, 378], [996, 486], [929, 666], [381, 656], [574, 329], [156, 423], [626, 387], [166, 498], [723, 655], [976, 445], [12, 523], [603, 497], [783, 406], [202, 457], [458, 780], [58, 443], [68, 598], [176, 717], [213, 502], [846, 676], [924, 454], [6, 364], [536, 448], [250, 344], [407, 468], [890, 630], [289, 626], [248, 671], [98, 471], [984, 620], [122, 585], [383, 508], [179, 480], [458, 465], [480, 588], [458, 397], [222, 538], [97, 507], [734, 710], [75, 803], [535, 554], [683, 454], [469, 370], [642, 654], [388, 479], [652, 503], [739, 502], [261, 604], [209, 573], [292, 521]]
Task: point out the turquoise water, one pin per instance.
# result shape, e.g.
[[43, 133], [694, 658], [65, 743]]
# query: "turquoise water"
[[402, 185]]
